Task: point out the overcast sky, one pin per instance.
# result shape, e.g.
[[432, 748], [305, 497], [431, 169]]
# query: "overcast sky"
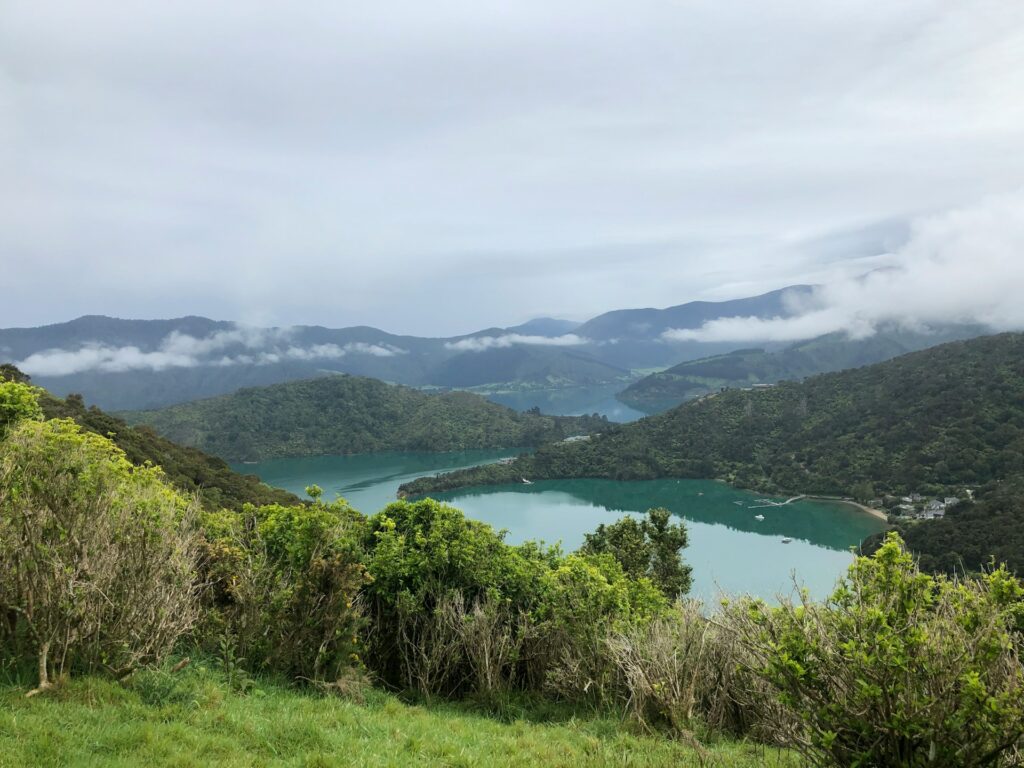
[[433, 168]]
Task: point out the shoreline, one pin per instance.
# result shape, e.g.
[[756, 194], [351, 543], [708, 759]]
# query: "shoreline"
[[880, 514]]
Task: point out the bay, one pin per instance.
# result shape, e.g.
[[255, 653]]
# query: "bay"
[[731, 551]]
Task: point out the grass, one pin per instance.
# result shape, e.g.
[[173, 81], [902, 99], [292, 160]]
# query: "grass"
[[195, 718]]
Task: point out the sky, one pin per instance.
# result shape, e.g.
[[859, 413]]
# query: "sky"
[[435, 168]]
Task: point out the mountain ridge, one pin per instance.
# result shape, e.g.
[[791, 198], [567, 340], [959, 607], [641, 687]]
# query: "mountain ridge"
[[125, 364]]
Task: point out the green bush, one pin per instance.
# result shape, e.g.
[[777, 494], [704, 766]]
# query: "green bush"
[[586, 599], [432, 570], [283, 588], [98, 555], [446, 589], [18, 401], [898, 667]]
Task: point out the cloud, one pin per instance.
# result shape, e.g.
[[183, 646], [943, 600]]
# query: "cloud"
[[963, 266], [377, 350], [252, 346], [98, 357], [481, 343], [334, 163]]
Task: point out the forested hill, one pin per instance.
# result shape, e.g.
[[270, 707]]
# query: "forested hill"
[[745, 367], [351, 414], [948, 416], [189, 469]]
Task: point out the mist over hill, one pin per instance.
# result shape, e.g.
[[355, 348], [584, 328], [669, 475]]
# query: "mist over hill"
[[141, 364]]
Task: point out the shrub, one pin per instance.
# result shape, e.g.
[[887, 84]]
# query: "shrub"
[[441, 582], [98, 555], [897, 667], [18, 401], [283, 587], [587, 598], [454, 608]]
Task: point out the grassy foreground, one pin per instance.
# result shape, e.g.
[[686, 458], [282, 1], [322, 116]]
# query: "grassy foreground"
[[194, 718]]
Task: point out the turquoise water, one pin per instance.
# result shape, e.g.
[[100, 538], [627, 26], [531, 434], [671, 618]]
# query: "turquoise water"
[[730, 550], [368, 481]]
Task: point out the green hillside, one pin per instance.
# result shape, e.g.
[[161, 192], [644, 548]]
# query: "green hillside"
[[196, 718], [189, 469], [945, 417], [747, 367], [349, 414], [526, 365]]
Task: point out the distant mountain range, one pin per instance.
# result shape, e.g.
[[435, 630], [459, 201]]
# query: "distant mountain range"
[[141, 364], [750, 367]]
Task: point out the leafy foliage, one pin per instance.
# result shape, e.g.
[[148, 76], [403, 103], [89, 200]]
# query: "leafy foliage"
[[283, 585], [190, 470], [18, 401], [433, 570], [898, 667], [98, 555], [349, 414], [649, 548]]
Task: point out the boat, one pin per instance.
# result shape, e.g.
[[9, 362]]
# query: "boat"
[[786, 541], [527, 482], [759, 517]]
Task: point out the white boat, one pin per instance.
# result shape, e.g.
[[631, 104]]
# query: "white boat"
[[759, 517], [786, 541], [527, 482]]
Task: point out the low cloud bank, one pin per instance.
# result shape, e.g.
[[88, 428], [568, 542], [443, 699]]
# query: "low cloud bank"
[[239, 346], [963, 266], [481, 343]]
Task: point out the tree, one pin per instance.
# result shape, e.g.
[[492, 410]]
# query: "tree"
[[650, 548], [863, 491]]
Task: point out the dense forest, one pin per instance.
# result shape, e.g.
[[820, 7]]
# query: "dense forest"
[[189, 469], [746, 367], [349, 414], [946, 417]]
